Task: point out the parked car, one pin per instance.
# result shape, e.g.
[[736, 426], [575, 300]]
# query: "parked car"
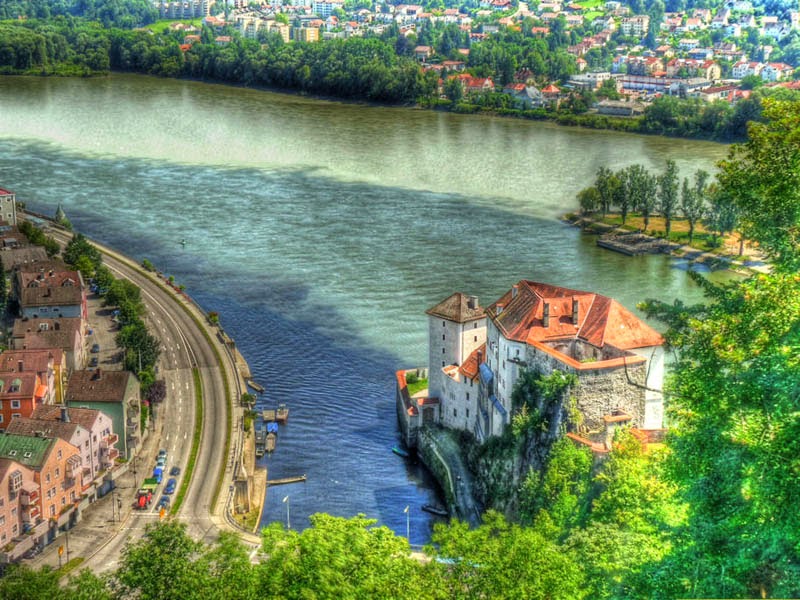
[[171, 485], [163, 502], [95, 348], [161, 461], [162, 452], [175, 471]]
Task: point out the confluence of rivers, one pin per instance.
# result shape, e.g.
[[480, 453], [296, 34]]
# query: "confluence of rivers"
[[321, 232]]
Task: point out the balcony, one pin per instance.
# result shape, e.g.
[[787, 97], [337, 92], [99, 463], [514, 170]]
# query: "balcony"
[[109, 459], [108, 441]]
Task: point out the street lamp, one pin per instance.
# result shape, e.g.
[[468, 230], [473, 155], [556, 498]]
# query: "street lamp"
[[408, 525], [286, 502]]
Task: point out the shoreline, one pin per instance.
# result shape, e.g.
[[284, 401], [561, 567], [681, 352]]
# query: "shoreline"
[[645, 244]]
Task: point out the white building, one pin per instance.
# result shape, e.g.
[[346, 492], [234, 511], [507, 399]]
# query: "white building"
[[8, 207], [617, 358]]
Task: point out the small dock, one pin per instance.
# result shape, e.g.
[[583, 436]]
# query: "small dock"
[[254, 386], [268, 415], [286, 480], [282, 414]]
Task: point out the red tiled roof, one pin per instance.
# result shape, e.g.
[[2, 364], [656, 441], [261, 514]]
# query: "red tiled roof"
[[469, 368], [551, 89], [601, 320]]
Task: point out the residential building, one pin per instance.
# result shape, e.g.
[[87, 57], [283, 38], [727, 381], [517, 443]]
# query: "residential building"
[[637, 25], [48, 364], [324, 8], [63, 334], [115, 393], [617, 359], [90, 431], [8, 207], [19, 497], [524, 96], [49, 289], [56, 467], [20, 394], [776, 72]]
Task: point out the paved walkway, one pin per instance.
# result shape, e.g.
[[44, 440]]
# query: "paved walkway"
[[448, 451]]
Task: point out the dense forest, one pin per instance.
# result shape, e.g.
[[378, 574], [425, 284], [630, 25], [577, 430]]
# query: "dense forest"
[[711, 513]]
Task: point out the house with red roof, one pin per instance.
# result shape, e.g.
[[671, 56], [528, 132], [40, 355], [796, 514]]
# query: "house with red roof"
[[476, 356]]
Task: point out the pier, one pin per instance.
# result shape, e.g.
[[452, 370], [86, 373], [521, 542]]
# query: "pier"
[[286, 480]]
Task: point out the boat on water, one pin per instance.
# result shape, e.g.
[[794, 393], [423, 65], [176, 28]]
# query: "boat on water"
[[282, 414], [435, 510], [272, 428], [270, 442], [261, 440], [400, 452]]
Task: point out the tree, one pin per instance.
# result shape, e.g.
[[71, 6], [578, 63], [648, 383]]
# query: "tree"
[[668, 196], [762, 178], [348, 558], [647, 197], [79, 247], [121, 291], [735, 444], [721, 216], [624, 194], [693, 201], [163, 564], [589, 200], [607, 184]]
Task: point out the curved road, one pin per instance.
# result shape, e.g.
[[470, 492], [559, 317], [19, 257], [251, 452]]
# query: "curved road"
[[184, 347]]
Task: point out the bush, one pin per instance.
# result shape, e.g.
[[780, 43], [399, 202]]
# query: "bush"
[[411, 377]]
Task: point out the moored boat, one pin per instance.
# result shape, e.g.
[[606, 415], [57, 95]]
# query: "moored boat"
[[435, 510], [282, 414], [400, 452], [269, 445]]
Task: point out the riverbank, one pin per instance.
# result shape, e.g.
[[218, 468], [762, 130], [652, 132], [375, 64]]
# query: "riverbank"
[[631, 240]]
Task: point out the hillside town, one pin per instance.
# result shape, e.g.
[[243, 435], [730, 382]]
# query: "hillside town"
[[70, 416], [711, 54]]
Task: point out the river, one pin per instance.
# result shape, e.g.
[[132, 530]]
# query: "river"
[[321, 231]]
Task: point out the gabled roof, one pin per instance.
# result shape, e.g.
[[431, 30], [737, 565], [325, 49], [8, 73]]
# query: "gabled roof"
[[85, 417], [98, 386], [519, 315], [457, 308], [30, 427]]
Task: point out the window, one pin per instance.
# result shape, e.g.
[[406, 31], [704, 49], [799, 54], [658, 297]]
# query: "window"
[[86, 444], [442, 337], [72, 496], [52, 510], [455, 412], [468, 413], [15, 404], [475, 326], [58, 472], [14, 529], [15, 416], [2, 520], [476, 338], [14, 512], [443, 324], [442, 350], [442, 363], [467, 398], [63, 500], [47, 478], [59, 455]]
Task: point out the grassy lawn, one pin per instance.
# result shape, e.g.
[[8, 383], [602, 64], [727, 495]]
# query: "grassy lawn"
[[163, 24], [417, 386], [590, 3], [592, 15], [703, 239]]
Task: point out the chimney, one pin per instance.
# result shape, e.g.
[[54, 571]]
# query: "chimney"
[[56, 325], [64, 414], [472, 302], [499, 308], [514, 290], [575, 312], [546, 315]]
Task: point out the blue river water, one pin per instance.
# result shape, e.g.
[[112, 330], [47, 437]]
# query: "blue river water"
[[322, 268]]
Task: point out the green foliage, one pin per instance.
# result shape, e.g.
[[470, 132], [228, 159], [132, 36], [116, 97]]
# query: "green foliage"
[[148, 266], [82, 255], [141, 348], [23, 583], [348, 558], [37, 237], [762, 178]]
